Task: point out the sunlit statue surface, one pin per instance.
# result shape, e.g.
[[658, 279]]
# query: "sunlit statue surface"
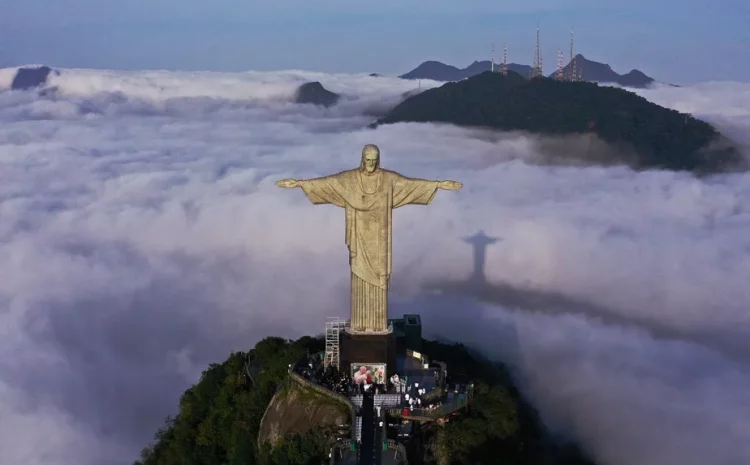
[[369, 194]]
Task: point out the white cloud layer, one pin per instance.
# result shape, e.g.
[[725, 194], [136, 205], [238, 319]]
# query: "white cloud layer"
[[141, 238]]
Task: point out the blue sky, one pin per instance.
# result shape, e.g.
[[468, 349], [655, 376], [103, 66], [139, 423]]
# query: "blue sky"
[[676, 41]]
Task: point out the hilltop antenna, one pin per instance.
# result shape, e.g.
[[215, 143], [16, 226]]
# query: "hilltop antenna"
[[504, 69], [572, 63], [492, 68], [559, 75], [575, 73], [539, 50], [536, 69]]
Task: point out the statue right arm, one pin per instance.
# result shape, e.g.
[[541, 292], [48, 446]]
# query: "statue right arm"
[[450, 185], [325, 190]]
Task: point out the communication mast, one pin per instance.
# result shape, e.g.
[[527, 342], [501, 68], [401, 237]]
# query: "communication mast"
[[559, 75], [492, 68], [536, 69], [504, 68], [573, 73]]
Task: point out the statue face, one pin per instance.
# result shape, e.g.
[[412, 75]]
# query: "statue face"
[[371, 161]]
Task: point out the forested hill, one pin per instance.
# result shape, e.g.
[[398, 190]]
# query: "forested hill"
[[645, 134], [219, 418]]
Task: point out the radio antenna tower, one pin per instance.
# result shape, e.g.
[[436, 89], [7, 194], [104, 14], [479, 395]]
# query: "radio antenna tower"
[[492, 67], [504, 68], [559, 74], [536, 69], [573, 72]]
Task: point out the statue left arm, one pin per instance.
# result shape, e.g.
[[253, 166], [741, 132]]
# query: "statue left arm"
[[417, 191]]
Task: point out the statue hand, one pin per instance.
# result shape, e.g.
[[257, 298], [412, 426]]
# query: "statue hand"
[[288, 183], [450, 185]]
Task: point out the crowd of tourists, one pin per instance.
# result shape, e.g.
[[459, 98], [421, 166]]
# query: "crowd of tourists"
[[314, 370], [414, 396], [336, 381]]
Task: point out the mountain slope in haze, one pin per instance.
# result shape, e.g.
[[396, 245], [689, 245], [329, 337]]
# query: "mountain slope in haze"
[[637, 132], [602, 72], [438, 71], [592, 71]]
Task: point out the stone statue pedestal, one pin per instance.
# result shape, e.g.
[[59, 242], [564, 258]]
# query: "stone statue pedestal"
[[367, 348]]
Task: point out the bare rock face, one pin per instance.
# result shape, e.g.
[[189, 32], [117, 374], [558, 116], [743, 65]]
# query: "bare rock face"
[[296, 410]]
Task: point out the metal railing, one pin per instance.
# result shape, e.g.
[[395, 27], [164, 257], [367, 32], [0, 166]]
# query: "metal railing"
[[434, 413], [400, 450], [380, 400]]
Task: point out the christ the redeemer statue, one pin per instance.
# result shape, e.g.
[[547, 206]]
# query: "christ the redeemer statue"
[[369, 194]]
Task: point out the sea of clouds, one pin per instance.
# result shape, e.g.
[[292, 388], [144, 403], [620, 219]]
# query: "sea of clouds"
[[142, 238]]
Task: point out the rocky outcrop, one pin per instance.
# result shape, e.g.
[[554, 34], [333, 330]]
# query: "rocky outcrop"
[[325, 392], [298, 409], [315, 93]]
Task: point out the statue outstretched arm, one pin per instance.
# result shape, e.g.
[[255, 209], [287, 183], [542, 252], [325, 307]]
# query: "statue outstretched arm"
[[416, 191], [288, 183], [450, 185], [323, 190]]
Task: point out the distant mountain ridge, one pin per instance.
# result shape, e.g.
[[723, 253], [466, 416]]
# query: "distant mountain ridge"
[[602, 72], [438, 71], [591, 71]]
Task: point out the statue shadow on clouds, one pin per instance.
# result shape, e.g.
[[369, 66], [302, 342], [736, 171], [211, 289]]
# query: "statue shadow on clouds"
[[455, 308], [437, 303]]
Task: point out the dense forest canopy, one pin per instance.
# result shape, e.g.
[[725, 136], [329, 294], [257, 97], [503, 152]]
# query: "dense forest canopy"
[[219, 418], [659, 137]]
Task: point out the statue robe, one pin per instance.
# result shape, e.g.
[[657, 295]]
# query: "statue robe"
[[369, 201]]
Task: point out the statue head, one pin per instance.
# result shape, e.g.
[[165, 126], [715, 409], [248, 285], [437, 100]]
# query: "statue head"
[[370, 159]]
